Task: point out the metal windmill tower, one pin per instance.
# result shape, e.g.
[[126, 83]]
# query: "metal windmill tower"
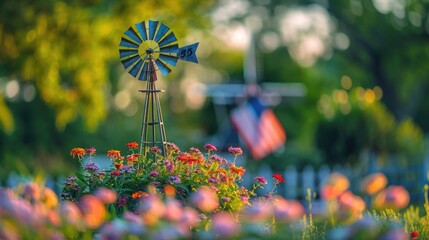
[[146, 48]]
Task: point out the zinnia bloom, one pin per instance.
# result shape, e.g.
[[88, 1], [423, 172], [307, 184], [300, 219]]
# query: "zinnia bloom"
[[79, 152], [172, 148], [132, 145], [91, 151], [260, 179], [235, 150], [115, 154], [210, 147], [155, 149], [139, 194], [278, 178]]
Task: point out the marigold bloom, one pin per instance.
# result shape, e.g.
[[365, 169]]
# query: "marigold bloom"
[[79, 152], [278, 178], [235, 150], [210, 147], [132, 145], [260, 179], [114, 154]]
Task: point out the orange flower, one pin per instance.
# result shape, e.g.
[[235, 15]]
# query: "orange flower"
[[132, 145], [132, 158], [79, 152], [115, 154], [139, 194], [374, 183], [238, 170], [93, 211]]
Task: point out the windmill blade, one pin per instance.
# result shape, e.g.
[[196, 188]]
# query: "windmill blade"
[[144, 73], [141, 27], [172, 60], [187, 53], [167, 40], [131, 33], [130, 61], [127, 53], [127, 43], [134, 70], [169, 49], [165, 70], [162, 30], [152, 28]]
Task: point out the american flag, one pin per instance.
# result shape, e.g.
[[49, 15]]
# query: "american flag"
[[259, 128]]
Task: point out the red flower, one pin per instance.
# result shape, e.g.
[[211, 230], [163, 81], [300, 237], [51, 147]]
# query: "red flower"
[[278, 178], [79, 152], [115, 173], [132, 145], [414, 235], [188, 159]]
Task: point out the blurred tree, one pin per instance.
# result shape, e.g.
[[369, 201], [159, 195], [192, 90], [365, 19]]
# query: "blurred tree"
[[59, 69]]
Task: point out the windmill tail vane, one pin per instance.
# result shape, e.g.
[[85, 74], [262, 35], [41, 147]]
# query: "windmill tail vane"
[[146, 48]]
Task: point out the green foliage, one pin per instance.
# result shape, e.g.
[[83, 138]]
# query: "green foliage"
[[354, 121]]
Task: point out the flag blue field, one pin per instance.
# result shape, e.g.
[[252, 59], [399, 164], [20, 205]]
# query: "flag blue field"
[[259, 128]]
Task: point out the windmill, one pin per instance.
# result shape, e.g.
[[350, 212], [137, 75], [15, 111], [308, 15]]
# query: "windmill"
[[146, 48]]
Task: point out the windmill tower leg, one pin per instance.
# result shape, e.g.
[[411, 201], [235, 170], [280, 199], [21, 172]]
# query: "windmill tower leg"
[[153, 131]]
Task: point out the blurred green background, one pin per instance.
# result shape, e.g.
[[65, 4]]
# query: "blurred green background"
[[364, 64]]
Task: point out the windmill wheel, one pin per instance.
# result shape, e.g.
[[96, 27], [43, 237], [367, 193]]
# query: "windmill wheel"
[[147, 41]]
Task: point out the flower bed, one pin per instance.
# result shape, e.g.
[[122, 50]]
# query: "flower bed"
[[195, 195]]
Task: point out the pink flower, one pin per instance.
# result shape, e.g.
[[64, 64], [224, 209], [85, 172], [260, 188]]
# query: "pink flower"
[[235, 150], [154, 174], [224, 225], [209, 147], [287, 210], [106, 195], [155, 149], [91, 151], [205, 199], [260, 179], [258, 212]]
